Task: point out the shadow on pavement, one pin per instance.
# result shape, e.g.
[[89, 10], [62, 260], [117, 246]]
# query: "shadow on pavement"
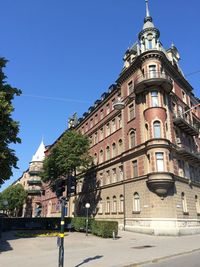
[[89, 259]]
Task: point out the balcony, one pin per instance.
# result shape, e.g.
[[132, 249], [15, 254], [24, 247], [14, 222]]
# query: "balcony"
[[34, 182], [34, 172], [185, 123], [188, 154], [154, 78], [34, 192]]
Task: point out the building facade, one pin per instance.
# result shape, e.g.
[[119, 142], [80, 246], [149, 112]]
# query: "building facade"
[[31, 182], [145, 144]]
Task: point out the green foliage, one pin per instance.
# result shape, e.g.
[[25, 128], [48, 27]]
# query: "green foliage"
[[104, 228], [8, 127], [68, 154], [79, 223], [16, 196]]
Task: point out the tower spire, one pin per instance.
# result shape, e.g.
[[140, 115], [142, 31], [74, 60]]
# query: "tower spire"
[[147, 8]]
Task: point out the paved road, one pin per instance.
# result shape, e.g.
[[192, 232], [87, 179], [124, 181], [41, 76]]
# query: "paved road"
[[188, 260], [130, 250]]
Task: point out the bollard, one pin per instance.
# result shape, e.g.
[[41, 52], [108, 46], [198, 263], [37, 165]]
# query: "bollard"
[[114, 236]]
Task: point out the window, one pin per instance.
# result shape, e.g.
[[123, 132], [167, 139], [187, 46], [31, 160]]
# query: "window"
[[114, 206], [120, 121], [96, 138], [107, 108], [197, 204], [131, 111], [121, 173], [86, 127], [101, 179], [184, 203], [107, 153], [157, 129], [114, 150], [107, 205], [101, 156], [154, 99], [108, 177], [135, 168], [101, 114], [101, 134], [113, 125], [130, 87], [91, 123], [152, 71], [132, 139], [107, 129], [96, 119], [95, 159], [136, 203], [150, 45], [120, 150], [121, 204], [100, 211], [184, 96], [160, 162], [113, 102], [114, 175]]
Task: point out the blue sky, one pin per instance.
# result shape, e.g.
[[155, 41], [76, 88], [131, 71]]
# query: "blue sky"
[[64, 54]]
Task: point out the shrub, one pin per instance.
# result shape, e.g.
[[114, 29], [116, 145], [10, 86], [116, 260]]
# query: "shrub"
[[105, 228], [79, 223]]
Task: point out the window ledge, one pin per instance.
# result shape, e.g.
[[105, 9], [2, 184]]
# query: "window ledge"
[[136, 212]]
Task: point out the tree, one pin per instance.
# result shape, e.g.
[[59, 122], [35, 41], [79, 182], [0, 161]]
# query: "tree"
[[16, 196], [70, 153], [9, 128]]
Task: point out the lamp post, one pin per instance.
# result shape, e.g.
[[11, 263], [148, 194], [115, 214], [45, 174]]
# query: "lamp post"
[[87, 205], [119, 105]]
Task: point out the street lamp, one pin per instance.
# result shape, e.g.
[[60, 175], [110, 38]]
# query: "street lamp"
[[119, 105], [87, 205]]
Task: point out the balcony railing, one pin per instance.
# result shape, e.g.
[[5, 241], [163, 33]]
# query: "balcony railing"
[[34, 182], [184, 122], [153, 78], [188, 154], [34, 172], [34, 191]]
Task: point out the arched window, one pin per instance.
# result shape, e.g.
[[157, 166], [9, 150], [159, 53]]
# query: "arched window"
[[184, 203], [95, 159], [107, 129], [114, 206], [101, 156], [107, 153], [132, 139], [100, 211], [197, 204], [114, 150], [157, 129], [107, 205], [136, 203], [120, 145], [121, 204]]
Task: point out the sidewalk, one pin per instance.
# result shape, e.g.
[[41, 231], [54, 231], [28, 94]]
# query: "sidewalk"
[[128, 250]]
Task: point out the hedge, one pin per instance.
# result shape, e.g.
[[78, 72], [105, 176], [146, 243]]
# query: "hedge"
[[43, 223], [105, 229], [79, 223], [100, 228]]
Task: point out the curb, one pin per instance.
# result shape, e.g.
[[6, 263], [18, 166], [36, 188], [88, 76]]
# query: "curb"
[[156, 260]]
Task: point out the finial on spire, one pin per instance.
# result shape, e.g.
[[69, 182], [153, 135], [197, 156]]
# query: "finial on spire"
[[147, 8]]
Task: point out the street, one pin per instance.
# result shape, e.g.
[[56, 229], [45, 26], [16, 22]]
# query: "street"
[[188, 260]]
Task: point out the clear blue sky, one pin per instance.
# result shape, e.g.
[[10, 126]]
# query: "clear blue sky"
[[74, 49]]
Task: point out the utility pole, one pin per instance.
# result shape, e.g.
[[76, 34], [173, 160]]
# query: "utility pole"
[[62, 233]]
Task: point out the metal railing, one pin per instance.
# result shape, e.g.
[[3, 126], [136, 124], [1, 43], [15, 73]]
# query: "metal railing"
[[152, 75]]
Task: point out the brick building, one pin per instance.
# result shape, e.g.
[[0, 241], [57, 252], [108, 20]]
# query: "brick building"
[[145, 143]]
